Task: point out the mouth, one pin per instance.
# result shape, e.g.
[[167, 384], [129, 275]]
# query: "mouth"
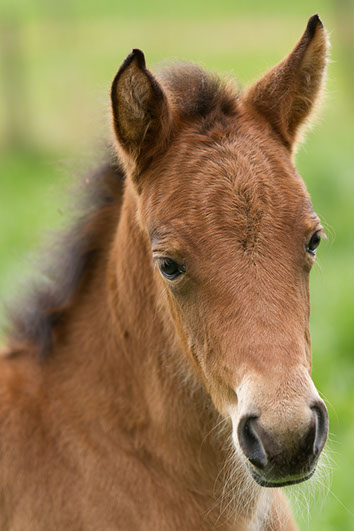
[[274, 484]]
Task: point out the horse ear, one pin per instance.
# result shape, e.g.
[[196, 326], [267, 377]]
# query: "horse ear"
[[286, 95], [140, 107]]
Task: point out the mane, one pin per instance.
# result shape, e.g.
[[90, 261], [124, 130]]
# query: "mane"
[[32, 319], [72, 253], [196, 92]]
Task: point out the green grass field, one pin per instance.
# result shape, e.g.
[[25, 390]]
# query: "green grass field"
[[68, 55]]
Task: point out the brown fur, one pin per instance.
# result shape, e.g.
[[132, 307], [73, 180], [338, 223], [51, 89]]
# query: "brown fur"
[[126, 422]]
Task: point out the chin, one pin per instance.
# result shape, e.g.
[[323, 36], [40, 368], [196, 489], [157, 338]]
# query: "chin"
[[281, 482]]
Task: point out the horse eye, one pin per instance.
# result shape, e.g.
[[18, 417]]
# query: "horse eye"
[[313, 243], [171, 269]]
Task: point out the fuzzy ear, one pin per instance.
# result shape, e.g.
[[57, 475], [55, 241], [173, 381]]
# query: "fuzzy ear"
[[285, 96], [140, 107]]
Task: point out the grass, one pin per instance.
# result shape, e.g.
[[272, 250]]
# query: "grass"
[[70, 55]]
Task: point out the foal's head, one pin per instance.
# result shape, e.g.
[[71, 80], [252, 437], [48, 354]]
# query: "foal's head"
[[233, 238]]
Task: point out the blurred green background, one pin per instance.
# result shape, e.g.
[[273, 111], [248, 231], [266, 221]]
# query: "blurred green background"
[[57, 60]]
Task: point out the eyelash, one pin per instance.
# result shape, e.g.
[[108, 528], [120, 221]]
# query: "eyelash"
[[171, 269], [313, 243]]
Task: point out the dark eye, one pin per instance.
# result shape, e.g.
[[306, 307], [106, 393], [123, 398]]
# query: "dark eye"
[[171, 269], [313, 243]]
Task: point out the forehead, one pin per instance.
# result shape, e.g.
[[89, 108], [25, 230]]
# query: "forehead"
[[237, 185]]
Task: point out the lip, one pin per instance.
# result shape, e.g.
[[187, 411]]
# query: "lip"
[[274, 484]]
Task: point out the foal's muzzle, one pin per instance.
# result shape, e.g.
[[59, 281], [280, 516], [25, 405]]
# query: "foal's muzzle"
[[275, 460]]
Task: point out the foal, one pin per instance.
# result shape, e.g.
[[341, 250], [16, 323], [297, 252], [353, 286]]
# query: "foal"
[[164, 380]]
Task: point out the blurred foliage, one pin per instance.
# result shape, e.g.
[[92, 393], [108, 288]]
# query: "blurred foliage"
[[57, 60]]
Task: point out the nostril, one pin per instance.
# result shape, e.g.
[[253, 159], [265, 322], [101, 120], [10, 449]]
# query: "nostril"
[[321, 416], [251, 443]]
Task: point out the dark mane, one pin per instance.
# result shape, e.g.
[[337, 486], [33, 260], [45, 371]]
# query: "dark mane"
[[71, 255], [196, 94]]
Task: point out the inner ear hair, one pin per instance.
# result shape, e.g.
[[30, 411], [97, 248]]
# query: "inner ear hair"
[[138, 104]]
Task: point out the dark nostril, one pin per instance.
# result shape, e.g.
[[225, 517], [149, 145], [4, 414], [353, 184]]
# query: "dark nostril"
[[251, 443], [321, 417]]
